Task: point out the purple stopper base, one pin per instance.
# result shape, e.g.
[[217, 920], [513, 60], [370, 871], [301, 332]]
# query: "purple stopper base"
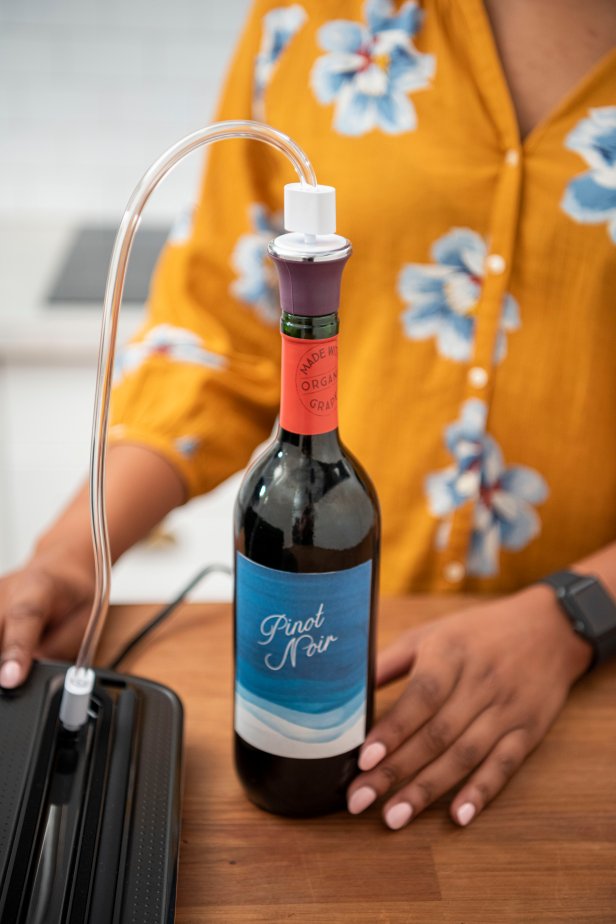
[[309, 289]]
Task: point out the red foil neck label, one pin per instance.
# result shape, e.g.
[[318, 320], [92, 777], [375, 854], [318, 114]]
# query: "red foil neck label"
[[309, 398]]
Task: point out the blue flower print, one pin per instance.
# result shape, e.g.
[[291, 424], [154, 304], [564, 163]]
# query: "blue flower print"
[[279, 27], [591, 197], [173, 343], [256, 277], [504, 495], [442, 297], [370, 70], [187, 445]]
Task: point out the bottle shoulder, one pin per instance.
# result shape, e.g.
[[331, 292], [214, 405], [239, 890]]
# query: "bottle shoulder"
[[323, 500], [283, 470]]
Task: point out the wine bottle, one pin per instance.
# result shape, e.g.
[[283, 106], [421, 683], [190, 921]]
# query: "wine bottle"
[[307, 534]]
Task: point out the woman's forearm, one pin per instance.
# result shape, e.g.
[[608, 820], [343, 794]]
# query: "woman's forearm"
[[602, 564], [141, 488]]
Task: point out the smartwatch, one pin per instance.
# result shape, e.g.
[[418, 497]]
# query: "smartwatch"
[[590, 609]]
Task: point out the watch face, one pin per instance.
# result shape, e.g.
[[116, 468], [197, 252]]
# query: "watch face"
[[598, 608]]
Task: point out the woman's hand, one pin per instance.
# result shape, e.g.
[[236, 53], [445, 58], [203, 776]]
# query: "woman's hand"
[[44, 608], [484, 687]]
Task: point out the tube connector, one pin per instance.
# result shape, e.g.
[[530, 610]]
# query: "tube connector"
[[311, 210], [78, 686]]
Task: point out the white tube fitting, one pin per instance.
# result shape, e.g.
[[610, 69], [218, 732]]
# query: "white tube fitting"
[[78, 686], [309, 209]]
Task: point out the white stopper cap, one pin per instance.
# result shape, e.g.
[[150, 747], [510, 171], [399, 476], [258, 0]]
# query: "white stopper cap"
[[310, 209], [78, 686]]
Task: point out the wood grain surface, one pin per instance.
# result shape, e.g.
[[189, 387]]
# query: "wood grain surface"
[[545, 850]]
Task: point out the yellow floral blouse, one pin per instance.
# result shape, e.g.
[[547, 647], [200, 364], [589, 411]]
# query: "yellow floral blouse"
[[478, 318]]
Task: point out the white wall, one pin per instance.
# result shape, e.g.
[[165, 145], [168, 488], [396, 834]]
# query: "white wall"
[[91, 93]]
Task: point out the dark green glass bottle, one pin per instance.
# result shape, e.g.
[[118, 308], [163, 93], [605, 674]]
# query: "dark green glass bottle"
[[307, 538]]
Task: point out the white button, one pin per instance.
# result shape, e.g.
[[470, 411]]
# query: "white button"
[[512, 157], [495, 263], [454, 572], [478, 377]]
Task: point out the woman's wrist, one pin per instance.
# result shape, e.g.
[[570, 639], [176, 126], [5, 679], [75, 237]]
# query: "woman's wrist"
[[53, 548], [66, 564], [540, 602]]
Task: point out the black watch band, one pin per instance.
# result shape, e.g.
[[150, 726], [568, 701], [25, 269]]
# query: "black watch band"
[[590, 609], [565, 579]]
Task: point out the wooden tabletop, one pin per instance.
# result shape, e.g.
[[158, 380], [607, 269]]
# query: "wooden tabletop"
[[545, 850]]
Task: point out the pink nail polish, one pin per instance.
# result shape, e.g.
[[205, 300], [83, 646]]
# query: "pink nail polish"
[[10, 674], [466, 813], [361, 799], [372, 755], [398, 815]]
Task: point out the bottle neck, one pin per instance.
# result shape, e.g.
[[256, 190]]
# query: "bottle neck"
[[309, 387]]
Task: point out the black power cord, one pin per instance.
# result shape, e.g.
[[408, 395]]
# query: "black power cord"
[[166, 612]]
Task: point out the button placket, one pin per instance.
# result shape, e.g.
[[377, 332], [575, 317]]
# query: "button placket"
[[488, 313], [480, 377]]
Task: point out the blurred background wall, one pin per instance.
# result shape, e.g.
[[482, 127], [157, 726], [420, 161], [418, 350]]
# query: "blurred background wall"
[[91, 92]]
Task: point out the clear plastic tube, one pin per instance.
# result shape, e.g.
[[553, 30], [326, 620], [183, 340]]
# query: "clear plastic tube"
[[218, 131]]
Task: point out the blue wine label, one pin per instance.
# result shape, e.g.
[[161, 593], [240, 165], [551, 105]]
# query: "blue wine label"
[[301, 659]]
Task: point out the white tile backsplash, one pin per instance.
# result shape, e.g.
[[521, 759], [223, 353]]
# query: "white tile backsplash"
[[142, 16], [91, 93]]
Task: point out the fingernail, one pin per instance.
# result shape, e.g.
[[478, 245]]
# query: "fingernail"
[[372, 756], [10, 674], [361, 799], [466, 813], [398, 815]]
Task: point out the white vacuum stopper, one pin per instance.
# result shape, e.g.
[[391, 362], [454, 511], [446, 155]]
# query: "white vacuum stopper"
[[310, 209]]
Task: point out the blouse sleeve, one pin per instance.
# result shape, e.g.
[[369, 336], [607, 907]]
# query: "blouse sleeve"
[[200, 382]]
